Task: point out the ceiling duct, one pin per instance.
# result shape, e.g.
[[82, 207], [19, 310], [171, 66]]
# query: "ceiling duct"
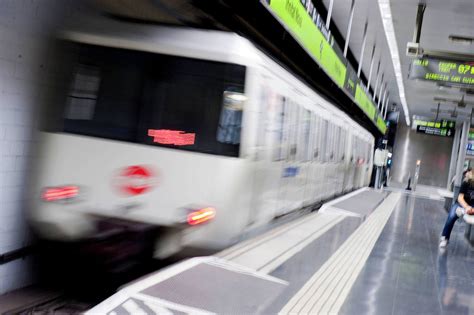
[[459, 102], [413, 48], [465, 40]]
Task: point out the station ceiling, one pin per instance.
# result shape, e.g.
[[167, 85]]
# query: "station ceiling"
[[441, 19]]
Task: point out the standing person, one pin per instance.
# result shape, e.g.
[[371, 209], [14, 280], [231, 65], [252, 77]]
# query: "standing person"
[[463, 205]]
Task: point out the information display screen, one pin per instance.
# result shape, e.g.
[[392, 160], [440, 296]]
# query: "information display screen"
[[470, 143], [436, 70], [443, 128]]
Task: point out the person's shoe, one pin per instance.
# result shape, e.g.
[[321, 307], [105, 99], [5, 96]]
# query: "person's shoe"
[[460, 211], [443, 242]]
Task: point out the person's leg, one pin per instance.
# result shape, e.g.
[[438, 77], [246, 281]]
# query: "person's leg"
[[452, 217]]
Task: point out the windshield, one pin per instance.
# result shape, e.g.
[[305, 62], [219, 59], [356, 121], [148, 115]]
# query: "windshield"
[[154, 99]]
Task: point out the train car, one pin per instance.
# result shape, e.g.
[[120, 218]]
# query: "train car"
[[196, 133]]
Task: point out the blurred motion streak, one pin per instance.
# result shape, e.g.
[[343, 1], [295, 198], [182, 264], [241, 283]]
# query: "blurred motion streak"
[[201, 216]]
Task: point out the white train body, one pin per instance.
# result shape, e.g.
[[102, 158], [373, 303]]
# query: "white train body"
[[295, 148]]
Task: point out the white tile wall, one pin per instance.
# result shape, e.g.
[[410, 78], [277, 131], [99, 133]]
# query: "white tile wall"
[[24, 28]]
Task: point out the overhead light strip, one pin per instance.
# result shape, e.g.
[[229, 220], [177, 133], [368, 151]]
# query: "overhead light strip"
[[386, 15]]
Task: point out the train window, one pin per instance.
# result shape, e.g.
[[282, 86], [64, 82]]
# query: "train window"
[[312, 135], [305, 137], [277, 129], [332, 140], [292, 126], [340, 156], [230, 121], [316, 138], [83, 93], [154, 99], [337, 143], [324, 140], [354, 149], [263, 116]]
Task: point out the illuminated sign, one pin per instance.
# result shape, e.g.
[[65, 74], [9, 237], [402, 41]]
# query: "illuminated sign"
[[294, 15], [172, 137], [351, 81], [470, 143], [381, 124], [471, 134], [442, 128], [301, 25], [430, 69], [364, 102], [470, 148]]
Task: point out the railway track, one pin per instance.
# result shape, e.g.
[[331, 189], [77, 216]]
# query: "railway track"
[[58, 304]]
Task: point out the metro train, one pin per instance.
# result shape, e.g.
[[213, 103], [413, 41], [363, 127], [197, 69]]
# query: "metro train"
[[197, 133]]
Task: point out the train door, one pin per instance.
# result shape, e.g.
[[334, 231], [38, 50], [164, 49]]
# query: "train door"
[[269, 156], [302, 160], [341, 166], [330, 169], [312, 161], [290, 168], [352, 163], [349, 162], [359, 163], [324, 157]]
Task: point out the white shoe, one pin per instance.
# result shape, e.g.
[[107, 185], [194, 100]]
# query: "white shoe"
[[460, 211], [443, 242]]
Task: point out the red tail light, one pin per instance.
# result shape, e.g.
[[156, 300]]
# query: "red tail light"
[[201, 216], [60, 193]]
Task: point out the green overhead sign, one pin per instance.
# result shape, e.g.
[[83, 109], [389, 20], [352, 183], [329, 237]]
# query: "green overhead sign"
[[381, 124], [443, 127], [293, 15], [364, 102]]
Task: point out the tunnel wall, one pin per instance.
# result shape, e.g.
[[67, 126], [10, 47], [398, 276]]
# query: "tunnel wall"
[[25, 29], [433, 151]]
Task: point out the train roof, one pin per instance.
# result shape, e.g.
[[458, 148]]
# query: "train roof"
[[171, 40]]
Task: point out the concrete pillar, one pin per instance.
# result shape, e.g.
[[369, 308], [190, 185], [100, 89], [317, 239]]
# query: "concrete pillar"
[[461, 158], [454, 156]]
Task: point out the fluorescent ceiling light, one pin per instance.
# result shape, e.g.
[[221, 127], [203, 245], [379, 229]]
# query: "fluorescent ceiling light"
[[466, 40], [386, 14]]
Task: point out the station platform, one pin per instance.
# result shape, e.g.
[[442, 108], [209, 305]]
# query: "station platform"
[[368, 252]]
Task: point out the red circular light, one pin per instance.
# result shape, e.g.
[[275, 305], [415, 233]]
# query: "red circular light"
[[136, 180]]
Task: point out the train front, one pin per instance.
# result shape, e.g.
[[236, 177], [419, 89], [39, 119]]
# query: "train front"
[[140, 146]]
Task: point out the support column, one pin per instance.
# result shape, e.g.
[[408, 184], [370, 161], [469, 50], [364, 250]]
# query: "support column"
[[372, 59], [328, 18], [349, 28], [362, 49], [384, 100], [454, 156], [376, 80], [461, 158], [386, 107], [380, 92]]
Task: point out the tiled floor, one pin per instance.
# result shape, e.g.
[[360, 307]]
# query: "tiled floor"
[[406, 273]]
